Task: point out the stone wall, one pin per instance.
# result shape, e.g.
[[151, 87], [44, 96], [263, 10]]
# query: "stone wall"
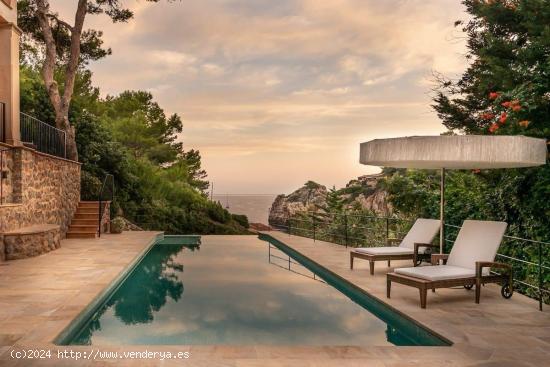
[[44, 190], [23, 245], [6, 176]]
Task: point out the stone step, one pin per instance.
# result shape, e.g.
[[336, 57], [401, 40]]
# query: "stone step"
[[85, 222], [87, 211], [82, 228], [81, 235], [85, 216], [88, 204]]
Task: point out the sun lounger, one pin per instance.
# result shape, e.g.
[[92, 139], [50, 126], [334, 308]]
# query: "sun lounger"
[[413, 247], [468, 263]]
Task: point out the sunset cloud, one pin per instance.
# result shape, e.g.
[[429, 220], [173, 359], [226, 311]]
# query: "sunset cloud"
[[274, 93]]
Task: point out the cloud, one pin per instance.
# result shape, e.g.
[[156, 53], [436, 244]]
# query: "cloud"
[[291, 78]]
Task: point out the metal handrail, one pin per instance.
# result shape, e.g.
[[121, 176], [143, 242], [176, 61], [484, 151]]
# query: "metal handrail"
[[289, 262], [44, 137], [106, 195], [306, 224]]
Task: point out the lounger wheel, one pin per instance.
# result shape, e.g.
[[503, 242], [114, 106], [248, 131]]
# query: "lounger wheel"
[[468, 286], [418, 262], [506, 291]]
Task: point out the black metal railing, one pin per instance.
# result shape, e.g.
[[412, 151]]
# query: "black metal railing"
[[43, 137], [2, 122], [105, 197], [530, 259], [281, 260]]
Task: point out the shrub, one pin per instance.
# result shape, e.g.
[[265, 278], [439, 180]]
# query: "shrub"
[[241, 219], [117, 225]]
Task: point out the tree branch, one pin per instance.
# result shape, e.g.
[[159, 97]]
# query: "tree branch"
[[61, 22]]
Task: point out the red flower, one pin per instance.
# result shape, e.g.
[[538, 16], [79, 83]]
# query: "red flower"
[[503, 117], [506, 104], [494, 95], [476, 171], [524, 123], [493, 128], [487, 116], [516, 106]]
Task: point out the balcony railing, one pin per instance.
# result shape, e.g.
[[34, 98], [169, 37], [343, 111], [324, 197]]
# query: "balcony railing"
[[529, 258], [43, 137]]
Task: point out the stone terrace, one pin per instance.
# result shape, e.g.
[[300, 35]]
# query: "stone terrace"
[[40, 296]]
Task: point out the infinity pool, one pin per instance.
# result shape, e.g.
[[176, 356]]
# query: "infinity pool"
[[240, 291]]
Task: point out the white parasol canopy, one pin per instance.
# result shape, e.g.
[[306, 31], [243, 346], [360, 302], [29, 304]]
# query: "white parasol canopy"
[[454, 152]]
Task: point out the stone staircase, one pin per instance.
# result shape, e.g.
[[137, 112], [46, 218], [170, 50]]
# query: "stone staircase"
[[85, 220]]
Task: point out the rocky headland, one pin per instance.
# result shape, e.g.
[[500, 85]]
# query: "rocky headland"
[[364, 192]]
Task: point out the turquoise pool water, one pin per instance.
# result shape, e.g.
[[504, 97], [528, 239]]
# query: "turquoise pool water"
[[238, 293]]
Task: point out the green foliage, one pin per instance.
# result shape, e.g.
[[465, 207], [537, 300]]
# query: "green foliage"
[[505, 90], [334, 201], [312, 185], [241, 219], [158, 185]]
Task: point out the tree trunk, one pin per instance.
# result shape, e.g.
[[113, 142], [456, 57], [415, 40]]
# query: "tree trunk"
[[60, 102], [62, 122]]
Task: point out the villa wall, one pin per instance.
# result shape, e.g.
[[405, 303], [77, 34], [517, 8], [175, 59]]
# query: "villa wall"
[[42, 190]]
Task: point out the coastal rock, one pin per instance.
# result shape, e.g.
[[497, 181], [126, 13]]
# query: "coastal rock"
[[309, 197], [370, 196], [363, 192]]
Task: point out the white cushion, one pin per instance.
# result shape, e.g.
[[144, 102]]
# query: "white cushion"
[[437, 272], [385, 250], [422, 231], [476, 241]]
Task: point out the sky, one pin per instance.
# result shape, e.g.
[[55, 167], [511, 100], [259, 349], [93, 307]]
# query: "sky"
[[275, 93]]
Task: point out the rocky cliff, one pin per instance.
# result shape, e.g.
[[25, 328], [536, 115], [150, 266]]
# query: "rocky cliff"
[[361, 193], [311, 196]]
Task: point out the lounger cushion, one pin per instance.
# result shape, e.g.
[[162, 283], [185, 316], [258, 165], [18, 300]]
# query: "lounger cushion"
[[423, 231], [385, 250], [438, 272], [476, 241]]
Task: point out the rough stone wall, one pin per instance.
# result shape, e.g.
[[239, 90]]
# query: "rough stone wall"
[[6, 176], [46, 190], [22, 246]]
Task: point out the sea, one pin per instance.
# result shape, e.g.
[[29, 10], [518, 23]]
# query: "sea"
[[255, 207]]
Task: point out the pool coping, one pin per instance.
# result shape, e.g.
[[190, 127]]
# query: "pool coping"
[[360, 290]]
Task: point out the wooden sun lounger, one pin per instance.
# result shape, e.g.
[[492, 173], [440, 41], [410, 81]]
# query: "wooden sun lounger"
[[416, 257], [412, 247], [468, 264], [423, 285]]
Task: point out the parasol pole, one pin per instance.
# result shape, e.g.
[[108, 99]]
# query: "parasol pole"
[[442, 212]]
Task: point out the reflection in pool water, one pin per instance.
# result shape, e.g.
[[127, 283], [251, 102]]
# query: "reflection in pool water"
[[230, 292]]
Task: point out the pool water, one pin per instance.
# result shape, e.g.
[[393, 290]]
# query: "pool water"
[[238, 292]]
